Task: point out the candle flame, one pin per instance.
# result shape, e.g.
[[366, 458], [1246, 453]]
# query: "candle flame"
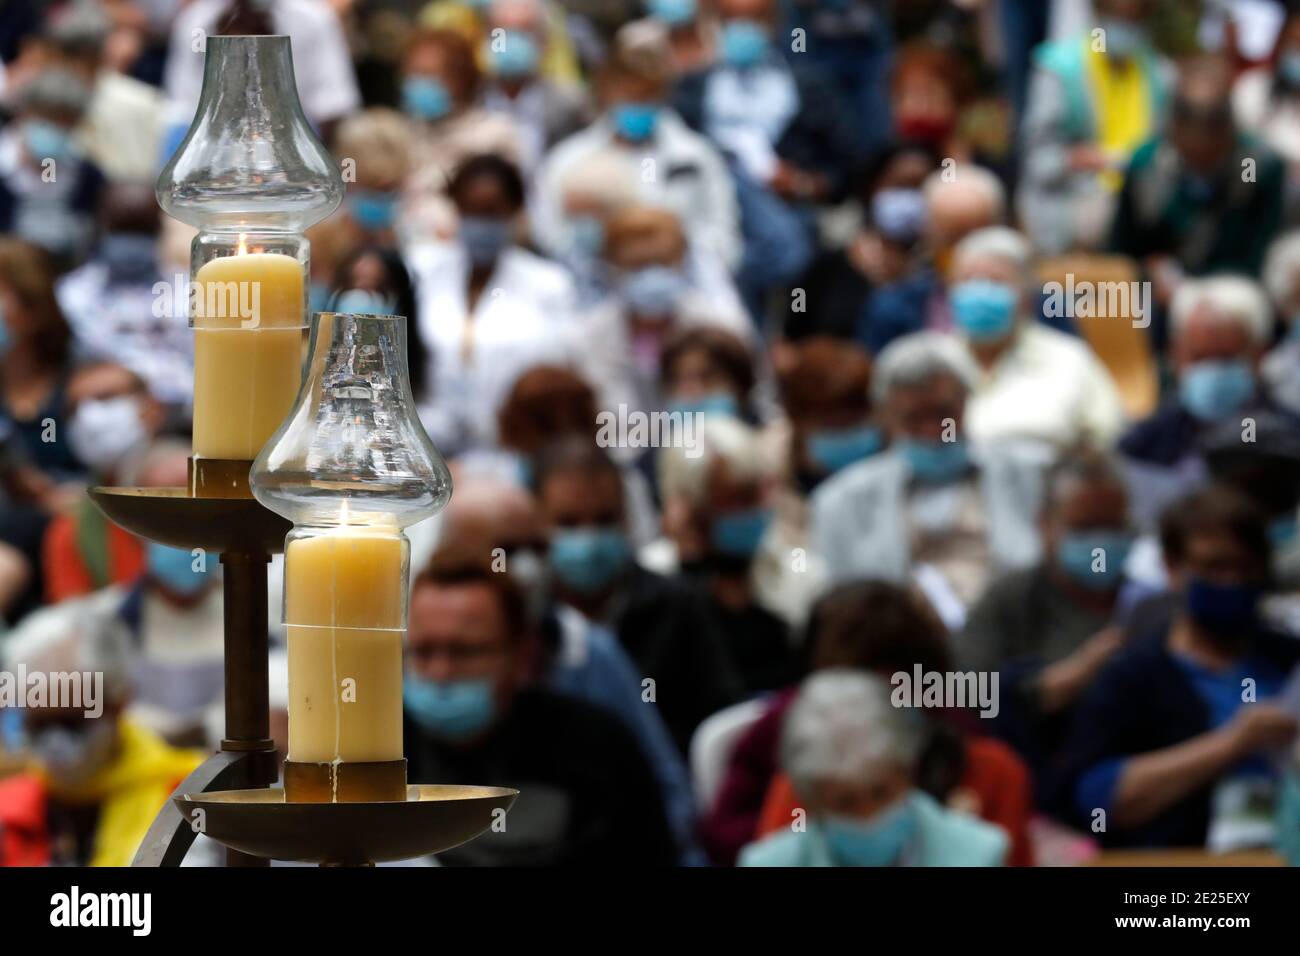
[[343, 512], [243, 247]]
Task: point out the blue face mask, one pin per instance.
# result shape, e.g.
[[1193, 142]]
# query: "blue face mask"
[[635, 122], [1124, 38], [452, 710], [1222, 610], [738, 534], [173, 568], [715, 403], [743, 43], [586, 236], [587, 560], [516, 56], [879, 841], [935, 462], [833, 449], [372, 210], [363, 302], [1288, 68], [425, 98], [483, 238], [983, 310], [1282, 531], [46, 140], [1212, 390], [1077, 554], [653, 290], [675, 13], [318, 297]]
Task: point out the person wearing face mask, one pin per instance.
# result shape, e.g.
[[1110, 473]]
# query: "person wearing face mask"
[[556, 53], [1186, 208], [440, 96], [98, 777], [778, 117], [171, 607], [1036, 383], [887, 248], [474, 710], [718, 517], [1266, 103], [934, 506], [577, 658], [380, 144], [114, 421], [852, 759], [1219, 328], [871, 628], [544, 110], [693, 180], [655, 298], [375, 279], [1094, 97], [1166, 741], [55, 212], [488, 308], [112, 302], [1049, 629], [661, 622]]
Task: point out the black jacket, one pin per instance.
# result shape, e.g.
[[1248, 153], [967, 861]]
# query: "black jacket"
[[587, 797]]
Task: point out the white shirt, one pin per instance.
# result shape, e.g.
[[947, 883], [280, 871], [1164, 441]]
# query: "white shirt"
[[1048, 386], [677, 169], [523, 318], [119, 323], [322, 65]]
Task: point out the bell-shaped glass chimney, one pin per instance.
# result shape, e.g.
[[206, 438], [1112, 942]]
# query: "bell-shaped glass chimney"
[[353, 450], [250, 159]]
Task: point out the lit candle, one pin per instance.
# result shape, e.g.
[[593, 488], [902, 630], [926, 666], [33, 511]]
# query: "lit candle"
[[248, 318], [345, 622]]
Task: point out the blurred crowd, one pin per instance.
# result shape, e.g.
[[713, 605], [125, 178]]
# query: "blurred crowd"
[[977, 323]]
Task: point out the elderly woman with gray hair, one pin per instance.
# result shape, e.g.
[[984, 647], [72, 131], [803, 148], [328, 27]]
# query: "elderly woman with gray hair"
[[1035, 382], [933, 507], [851, 755]]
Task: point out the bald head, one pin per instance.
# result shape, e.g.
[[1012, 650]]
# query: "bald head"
[[957, 205], [497, 512]]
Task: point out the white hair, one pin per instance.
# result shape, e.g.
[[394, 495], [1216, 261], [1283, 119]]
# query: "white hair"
[[843, 726], [920, 358], [996, 242], [1282, 270], [75, 637], [969, 178], [685, 470], [1229, 299]]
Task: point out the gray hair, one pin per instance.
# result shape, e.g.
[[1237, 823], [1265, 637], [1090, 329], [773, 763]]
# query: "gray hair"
[[971, 178], [55, 92], [1282, 270], [920, 358], [997, 242], [74, 637], [1231, 298], [684, 470], [842, 726], [82, 30]]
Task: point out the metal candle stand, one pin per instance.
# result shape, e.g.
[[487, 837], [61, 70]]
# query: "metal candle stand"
[[229, 797]]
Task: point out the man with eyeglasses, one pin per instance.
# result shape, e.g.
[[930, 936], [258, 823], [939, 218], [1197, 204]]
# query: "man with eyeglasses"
[[474, 713]]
